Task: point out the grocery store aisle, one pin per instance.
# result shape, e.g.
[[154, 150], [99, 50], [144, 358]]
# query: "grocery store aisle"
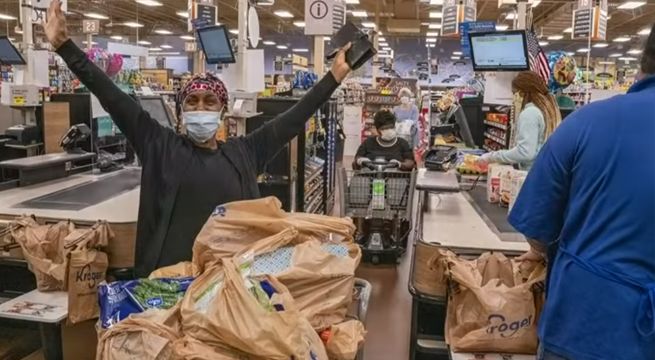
[[390, 307], [389, 313]]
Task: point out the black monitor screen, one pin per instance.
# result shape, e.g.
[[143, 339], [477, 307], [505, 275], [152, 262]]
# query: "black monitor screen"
[[216, 45], [499, 51], [157, 109], [9, 55]]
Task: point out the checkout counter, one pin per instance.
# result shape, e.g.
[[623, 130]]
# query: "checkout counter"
[[458, 218]]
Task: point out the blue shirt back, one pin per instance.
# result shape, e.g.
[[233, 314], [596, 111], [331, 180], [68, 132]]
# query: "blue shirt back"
[[591, 193]]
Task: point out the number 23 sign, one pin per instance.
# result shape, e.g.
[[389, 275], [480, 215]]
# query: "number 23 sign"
[[90, 26]]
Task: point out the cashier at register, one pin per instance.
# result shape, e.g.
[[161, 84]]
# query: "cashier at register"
[[185, 177]]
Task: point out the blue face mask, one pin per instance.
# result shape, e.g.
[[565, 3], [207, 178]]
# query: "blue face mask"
[[201, 125]]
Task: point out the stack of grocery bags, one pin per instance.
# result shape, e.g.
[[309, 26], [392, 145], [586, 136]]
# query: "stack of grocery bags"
[[262, 284]]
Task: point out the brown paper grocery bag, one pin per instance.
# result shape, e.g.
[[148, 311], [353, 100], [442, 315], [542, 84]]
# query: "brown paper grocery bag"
[[218, 309], [492, 317], [43, 248], [181, 269], [87, 269], [189, 348], [345, 340], [237, 225]]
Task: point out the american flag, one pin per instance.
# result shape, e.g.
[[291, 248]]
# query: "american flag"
[[538, 60]]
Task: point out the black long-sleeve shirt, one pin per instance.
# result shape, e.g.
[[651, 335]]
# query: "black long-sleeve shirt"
[[181, 184]]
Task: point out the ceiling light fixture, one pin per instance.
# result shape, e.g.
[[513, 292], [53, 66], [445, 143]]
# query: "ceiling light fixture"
[[154, 49], [622, 39], [601, 45], [432, 33], [182, 13], [7, 17], [583, 50], [386, 49], [234, 31], [502, 27], [269, 42], [116, 37], [635, 52], [455, 58], [97, 16], [143, 42], [436, 2], [382, 39], [168, 53], [434, 26], [570, 53], [616, 55], [457, 53], [631, 5], [568, 30], [433, 45], [187, 37], [510, 16], [301, 50], [165, 46], [369, 24], [283, 14], [431, 40], [383, 44], [606, 62], [359, 13], [92, 43], [543, 43], [644, 32], [352, 2], [436, 14], [628, 58], [163, 32], [133, 24], [149, 2], [556, 37], [282, 47], [299, 24]]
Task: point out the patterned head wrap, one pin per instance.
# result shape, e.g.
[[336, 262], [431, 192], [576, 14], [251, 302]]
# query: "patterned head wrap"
[[202, 82]]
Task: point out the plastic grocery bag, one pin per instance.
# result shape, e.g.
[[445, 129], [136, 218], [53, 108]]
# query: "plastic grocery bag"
[[233, 227], [319, 275], [255, 315], [119, 299], [494, 305], [43, 248], [188, 348], [342, 341], [181, 269], [145, 336]]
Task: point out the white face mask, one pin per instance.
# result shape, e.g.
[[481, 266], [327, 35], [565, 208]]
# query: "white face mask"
[[405, 100], [388, 134], [201, 125]]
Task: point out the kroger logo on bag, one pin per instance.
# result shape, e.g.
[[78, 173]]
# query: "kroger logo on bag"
[[86, 275], [499, 325]]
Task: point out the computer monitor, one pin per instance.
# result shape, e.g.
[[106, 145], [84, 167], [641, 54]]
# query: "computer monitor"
[[9, 55], [158, 110], [499, 51], [216, 45]]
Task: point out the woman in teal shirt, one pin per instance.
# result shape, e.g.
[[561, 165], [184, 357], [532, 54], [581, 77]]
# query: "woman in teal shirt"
[[538, 119]]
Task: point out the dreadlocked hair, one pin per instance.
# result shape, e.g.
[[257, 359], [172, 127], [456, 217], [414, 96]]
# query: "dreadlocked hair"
[[534, 90]]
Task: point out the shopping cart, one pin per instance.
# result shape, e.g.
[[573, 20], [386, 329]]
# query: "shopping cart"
[[379, 200], [359, 306]]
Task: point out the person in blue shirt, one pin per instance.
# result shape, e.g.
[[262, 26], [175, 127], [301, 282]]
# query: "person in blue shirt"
[[589, 201], [537, 120]]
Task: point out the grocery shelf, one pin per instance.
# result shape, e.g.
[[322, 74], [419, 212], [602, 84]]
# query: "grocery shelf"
[[495, 138], [496, 125]]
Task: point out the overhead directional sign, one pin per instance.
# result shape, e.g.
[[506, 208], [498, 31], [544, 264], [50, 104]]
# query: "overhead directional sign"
[[590, 20], [90, 26]]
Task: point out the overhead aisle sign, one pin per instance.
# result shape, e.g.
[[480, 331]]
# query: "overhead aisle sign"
[[455, 13], [590, 19]]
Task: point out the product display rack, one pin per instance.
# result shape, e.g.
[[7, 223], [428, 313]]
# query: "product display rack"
[[498, 126]]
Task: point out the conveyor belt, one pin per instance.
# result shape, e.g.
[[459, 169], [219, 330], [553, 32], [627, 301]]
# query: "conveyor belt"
[[495, 213], [86, 194]]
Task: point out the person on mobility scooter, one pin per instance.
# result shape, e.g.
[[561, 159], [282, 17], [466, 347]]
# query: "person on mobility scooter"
[[378, 194]]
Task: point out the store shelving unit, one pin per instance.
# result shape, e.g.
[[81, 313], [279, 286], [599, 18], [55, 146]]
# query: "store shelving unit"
[[497, 131]]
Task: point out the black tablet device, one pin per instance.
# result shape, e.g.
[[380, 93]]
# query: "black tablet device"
[[9, 55]]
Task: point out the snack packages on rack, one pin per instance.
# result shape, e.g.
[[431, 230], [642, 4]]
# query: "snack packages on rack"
[[494, 304], [119, 299], [228, 305]]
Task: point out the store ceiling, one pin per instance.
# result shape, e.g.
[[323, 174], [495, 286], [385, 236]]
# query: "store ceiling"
[[551, 17]]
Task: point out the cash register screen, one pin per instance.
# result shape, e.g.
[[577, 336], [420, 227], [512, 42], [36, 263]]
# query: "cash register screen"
[[9, 55], [157, 109]]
